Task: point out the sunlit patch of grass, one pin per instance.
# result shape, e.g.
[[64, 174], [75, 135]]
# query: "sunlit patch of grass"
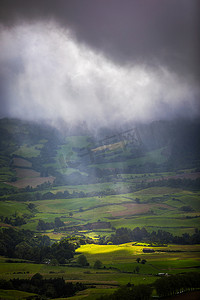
[[123, 257], [95, 234], [55, 235], [110, 252]]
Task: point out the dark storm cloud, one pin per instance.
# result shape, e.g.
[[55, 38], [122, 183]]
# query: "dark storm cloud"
[[103, 61], [145, 31]]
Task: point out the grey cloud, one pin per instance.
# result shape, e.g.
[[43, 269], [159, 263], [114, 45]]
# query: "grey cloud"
[[100, 61], [52, 76], [152, 32]]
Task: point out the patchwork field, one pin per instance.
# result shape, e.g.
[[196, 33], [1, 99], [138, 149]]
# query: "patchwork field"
[[25, 175], [152, 208]]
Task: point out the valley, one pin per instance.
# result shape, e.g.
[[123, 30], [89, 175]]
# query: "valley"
[[108, 203]]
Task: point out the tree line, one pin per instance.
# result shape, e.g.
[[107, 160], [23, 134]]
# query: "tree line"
[[13, 220], [33, 194], [124, 235], [174, 284], [24, 244], [30, 194], [42, 225], [46, 288]]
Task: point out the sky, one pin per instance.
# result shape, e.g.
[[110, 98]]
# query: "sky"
[[100, 63]]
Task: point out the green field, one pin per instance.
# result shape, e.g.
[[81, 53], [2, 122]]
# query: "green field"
[[119, 264], [29, 151], [121, 189], [155, 208]]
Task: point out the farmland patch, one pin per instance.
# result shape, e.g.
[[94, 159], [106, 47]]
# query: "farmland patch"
[[33, 182], [26, 173], [20, 162], [29, 151], [136, 209]]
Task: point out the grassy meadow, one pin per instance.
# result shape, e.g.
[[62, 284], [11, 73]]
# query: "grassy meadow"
[[150, 208]]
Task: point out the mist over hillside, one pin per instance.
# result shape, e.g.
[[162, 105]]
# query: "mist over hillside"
[[78, 155]]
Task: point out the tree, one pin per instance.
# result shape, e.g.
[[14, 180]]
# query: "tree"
[[98, 264], [54, 262], [143, 261], [62, 251], [36, 279], [58, 222], [23, 250], [82, 260]]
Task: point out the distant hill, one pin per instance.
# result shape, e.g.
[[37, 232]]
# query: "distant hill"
[[32, 153]]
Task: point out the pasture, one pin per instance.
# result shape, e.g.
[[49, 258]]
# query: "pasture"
[[28, 151], [119, 266], [152, 208]]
